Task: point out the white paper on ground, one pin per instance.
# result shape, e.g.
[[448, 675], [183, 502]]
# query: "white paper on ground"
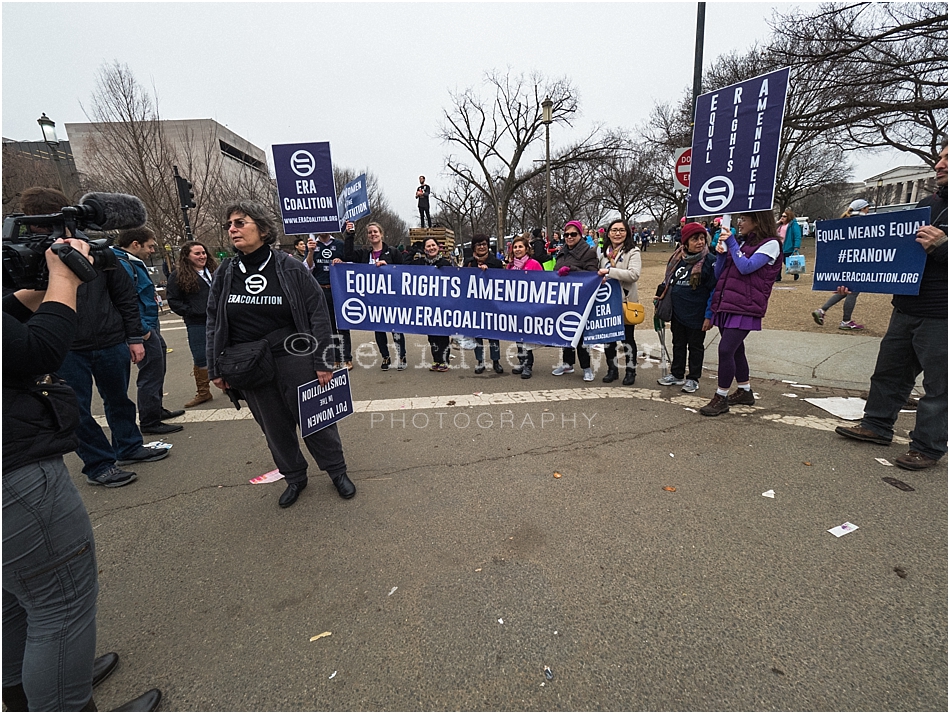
[[789, 394], [269, 477], [841, 530], [157, 445], [849, 408], [884, 462], [802, 386], [769, 494]]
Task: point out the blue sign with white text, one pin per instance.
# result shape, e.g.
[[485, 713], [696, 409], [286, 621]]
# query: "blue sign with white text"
[[305, 188], [735, 146], [605, 323], [533, 306], [318, 407], [877, 253], [353, 201]]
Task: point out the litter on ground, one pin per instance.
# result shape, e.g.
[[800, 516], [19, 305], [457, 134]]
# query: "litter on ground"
[[843, 529], [322, 634]]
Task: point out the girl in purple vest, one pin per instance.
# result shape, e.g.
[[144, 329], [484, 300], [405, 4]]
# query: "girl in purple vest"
[[746, 268]]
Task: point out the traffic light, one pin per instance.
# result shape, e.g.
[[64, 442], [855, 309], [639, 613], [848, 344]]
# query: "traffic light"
[[186, 193]]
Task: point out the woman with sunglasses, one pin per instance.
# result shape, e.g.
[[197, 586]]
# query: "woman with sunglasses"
[[745, 271], [431, 257], [621, 261], [264, 294], [575, 256], [791, 234], [377, 253], [188, 288]]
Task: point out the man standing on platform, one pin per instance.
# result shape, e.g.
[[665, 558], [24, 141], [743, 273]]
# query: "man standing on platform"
[[422, 193]]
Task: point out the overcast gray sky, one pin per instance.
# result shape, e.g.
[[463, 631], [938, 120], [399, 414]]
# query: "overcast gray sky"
[[370, 78]]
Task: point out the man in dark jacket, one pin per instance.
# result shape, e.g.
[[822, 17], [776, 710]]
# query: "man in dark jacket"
[[108, 333], [422, 195], [50, 578], [915, 342], [324, 251]]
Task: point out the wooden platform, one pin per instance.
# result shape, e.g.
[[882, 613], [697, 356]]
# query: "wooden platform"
[[444, 236]]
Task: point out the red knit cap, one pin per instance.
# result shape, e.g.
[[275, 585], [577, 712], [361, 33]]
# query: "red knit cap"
[[692, 229]]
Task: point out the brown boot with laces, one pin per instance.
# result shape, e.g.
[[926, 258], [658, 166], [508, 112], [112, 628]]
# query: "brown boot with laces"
[[717, 405]]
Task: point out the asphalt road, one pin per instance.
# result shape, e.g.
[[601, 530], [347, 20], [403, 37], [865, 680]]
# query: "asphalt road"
[[463, 567]]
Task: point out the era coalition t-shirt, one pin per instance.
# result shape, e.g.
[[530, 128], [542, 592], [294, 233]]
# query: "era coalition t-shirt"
[[257, 304], [323, 256]]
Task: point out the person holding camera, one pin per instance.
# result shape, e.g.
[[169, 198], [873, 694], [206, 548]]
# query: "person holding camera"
[[50, 577], [267, 306], [108, 340]]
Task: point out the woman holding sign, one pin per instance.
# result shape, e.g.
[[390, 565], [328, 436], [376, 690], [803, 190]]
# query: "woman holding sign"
[[621, 261], [745, 272], [269, 333], [431, 257]]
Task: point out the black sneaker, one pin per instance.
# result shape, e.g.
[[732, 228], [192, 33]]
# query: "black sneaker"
[[385, 365], [144, 453], [112, 477], [161, 428], [171, 415]]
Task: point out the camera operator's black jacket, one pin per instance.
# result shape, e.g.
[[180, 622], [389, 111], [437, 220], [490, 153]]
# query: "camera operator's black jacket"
[[107, 312], [39, 420]]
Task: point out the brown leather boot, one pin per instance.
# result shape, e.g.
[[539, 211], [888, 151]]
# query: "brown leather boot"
[[204, 391]]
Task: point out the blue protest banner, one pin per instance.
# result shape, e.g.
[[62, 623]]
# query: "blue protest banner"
[[877, 253], [526, 305], [305, 187], [605, 323], [353, 201], [318, 407], [735, 146]]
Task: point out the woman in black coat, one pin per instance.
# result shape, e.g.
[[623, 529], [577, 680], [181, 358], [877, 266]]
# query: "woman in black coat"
[[187, 293], [439, 344]]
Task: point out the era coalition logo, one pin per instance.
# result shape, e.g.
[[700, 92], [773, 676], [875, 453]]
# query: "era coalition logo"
[[255, 283], [716, 194], [604, 292], [327, 253], [302, 163], [567, 325], [354, 311]]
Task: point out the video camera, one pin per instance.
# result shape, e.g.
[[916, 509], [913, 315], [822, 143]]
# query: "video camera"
[[27, 238]]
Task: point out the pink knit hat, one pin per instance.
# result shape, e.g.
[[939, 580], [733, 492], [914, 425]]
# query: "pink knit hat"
[[577, 224]]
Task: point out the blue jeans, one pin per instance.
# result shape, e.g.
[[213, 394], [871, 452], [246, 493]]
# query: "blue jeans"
[[494, 350], [111, 369], [197, 339], [911, 345], [151, 380], [50, 586]]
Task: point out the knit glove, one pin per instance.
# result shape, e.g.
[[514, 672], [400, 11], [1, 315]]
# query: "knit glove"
[[564, 270]]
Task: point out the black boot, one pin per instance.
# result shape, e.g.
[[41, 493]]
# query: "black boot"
[[291, 494], [612, 375], [528, 364], [630, 377], [520, 368], [344, 486]]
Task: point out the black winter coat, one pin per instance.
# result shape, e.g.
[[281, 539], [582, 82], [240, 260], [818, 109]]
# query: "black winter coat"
[[107, 312], [193, 307]]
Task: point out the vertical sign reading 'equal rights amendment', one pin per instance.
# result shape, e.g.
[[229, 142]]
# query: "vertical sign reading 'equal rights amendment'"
[[305, 188], [735, 146]]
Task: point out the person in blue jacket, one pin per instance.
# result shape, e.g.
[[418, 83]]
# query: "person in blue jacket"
[[791, 234], [691, 273]]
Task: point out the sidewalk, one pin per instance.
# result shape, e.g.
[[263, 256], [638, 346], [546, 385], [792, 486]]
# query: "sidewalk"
[[830, 360]]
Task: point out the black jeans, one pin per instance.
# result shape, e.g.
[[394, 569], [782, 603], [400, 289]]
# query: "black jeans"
[[424, 215], [151, 380], [687, 339], [629, 347], [583, 356], [439, 345], [398, 338]]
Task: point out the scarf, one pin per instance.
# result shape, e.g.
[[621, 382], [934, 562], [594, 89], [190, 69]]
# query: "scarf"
[[694, 259], [518, 263]]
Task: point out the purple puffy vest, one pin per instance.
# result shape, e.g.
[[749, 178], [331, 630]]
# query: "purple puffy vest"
[[746, 294]]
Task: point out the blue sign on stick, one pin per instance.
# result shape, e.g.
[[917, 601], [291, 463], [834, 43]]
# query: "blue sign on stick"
[[353, 201], [305, 187], [871, 254], [735, 146], [605, 323], [319, 407]]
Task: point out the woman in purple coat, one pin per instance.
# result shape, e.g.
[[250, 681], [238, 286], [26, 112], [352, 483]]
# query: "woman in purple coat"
[[746, 268]]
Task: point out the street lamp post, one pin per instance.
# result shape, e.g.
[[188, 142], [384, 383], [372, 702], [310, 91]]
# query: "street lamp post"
[[49, 137], [546, 118], [877, 200]]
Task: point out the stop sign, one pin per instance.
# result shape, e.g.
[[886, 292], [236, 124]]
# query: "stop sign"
[[681, 168]]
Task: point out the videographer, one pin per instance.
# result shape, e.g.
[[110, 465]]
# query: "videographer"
[[50, 580]]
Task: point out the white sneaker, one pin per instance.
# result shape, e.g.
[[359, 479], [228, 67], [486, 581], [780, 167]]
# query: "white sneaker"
[[670, 381], [691, 386], [562, 369], [588, 375]]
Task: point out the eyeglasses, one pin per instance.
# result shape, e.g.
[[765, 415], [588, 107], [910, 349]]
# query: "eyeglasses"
[[238, 223], [617, 230], [572, 235]]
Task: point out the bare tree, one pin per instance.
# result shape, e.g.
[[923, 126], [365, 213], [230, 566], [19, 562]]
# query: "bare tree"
[[22, 171], [496, 133], [880, 70], [622, 180], [463, 208]]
